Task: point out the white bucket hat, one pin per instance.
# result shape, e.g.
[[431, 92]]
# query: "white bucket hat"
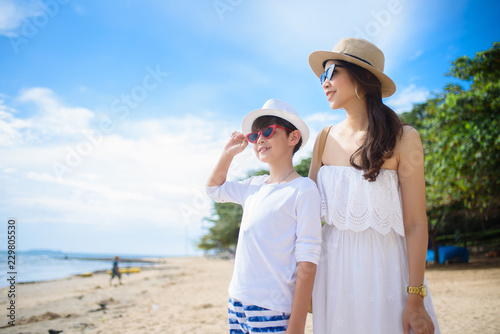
[[280, 109], [359, 52]]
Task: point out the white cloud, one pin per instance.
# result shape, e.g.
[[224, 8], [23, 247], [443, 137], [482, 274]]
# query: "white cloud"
[[52, 118], [11, 128], [403, 101], [13, 13]]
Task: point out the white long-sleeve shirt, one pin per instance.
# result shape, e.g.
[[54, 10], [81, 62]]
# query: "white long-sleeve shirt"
[[280, 227]]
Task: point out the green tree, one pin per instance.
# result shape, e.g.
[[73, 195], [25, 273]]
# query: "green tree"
[[461, 137], [303, 167], [222, 236], [464, 156]]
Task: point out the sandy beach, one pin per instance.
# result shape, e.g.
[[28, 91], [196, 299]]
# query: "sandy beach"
[[189, 295]]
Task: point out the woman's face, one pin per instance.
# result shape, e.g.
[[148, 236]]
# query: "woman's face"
[[339, 89]]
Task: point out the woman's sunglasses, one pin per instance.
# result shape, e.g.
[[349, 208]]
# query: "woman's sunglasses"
[[328, 75], [266, 133]]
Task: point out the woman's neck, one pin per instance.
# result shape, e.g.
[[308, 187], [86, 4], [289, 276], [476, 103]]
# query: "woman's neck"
[[357, 117]]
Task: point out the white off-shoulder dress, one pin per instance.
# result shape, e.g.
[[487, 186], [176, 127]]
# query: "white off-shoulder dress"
[[362, 274]]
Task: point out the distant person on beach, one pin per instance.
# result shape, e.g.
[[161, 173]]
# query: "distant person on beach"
[[115, 271], [279, 241]]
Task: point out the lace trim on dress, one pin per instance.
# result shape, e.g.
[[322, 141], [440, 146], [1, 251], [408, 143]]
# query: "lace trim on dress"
[[349, 202]]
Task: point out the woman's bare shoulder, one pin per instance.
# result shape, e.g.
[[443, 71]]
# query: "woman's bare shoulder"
[[410, 136]]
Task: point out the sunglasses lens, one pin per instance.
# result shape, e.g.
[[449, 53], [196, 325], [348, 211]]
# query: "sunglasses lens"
[[268, 132], [323, 78], [252, 137], [328, 74]]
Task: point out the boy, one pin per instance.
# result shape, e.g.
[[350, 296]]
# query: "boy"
[[280, 234]]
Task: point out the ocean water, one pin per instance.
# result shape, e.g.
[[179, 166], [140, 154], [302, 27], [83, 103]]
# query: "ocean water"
[[35, 266]]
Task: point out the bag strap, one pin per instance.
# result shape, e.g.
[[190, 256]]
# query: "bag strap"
[[322, 141]]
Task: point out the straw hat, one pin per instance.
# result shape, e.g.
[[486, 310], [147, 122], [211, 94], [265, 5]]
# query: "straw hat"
[[281, 109], [359, 52]]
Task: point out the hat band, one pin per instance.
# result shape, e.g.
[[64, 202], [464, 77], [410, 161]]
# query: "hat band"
[[364, 61]]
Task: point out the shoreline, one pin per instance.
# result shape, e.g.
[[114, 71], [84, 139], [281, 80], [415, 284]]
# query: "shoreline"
[[189, 295], [143, 263], [122, 260]]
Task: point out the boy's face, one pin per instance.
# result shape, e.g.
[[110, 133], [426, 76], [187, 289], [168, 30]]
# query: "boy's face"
[[279, 146]]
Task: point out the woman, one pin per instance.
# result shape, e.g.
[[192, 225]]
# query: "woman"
[[370, 277]]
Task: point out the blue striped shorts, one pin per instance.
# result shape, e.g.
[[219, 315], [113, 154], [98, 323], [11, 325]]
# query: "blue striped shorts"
[[245, 318]]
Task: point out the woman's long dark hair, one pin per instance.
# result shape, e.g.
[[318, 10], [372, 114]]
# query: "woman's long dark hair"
[[384, 126]]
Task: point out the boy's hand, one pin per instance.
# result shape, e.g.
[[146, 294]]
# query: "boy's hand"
[[236, 144]]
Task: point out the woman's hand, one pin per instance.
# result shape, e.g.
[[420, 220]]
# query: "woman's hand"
[[415, 316]]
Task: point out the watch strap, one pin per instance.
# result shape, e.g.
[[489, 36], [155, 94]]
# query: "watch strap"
[[419, 290]]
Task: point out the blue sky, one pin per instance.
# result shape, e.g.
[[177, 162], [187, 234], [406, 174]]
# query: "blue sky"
[[113, 113]]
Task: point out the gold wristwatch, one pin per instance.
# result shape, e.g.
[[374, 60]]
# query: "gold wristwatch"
[[419, 290]]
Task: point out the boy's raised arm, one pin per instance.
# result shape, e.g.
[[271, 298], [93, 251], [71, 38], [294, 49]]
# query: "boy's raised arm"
[[236, 145]]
